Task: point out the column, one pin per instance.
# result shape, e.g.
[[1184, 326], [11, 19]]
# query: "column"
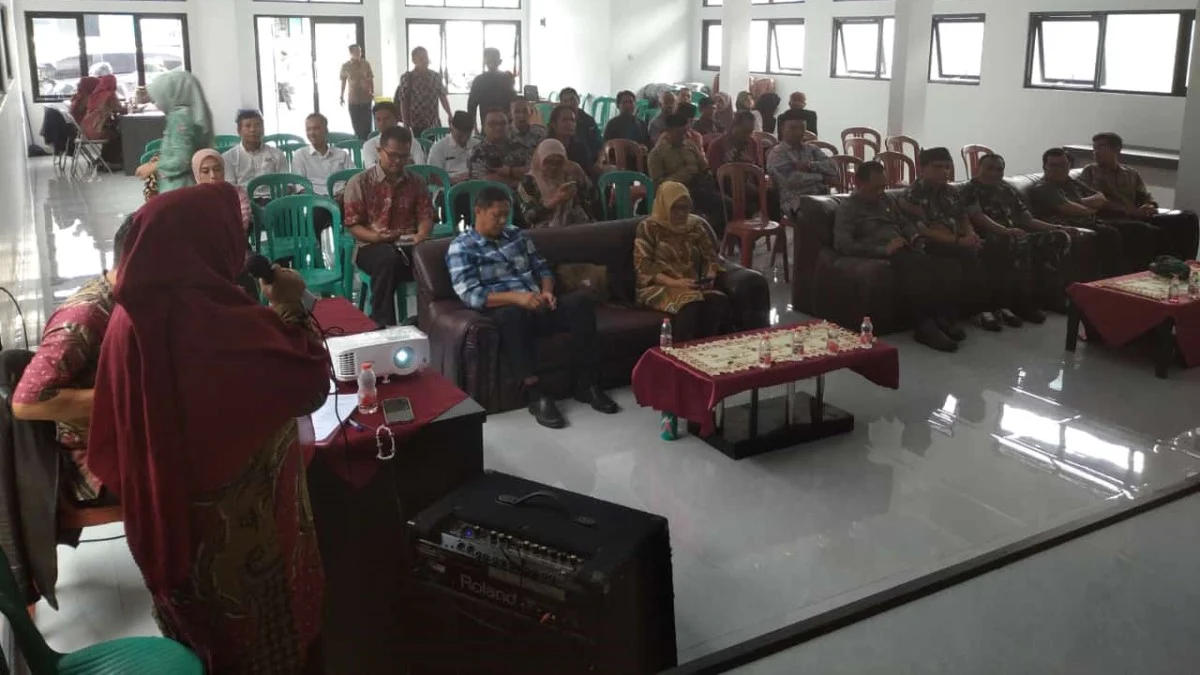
[[735, 46], [910, 68], [1187, 180]]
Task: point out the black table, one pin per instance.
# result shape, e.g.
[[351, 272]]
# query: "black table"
[[138, 129]]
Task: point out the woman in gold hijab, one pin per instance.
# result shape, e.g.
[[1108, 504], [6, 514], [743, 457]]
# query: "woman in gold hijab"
[[677, 265]]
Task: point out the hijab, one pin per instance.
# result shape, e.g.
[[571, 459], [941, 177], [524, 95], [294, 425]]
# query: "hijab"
[[665, 198], [724, 114], [106, 89], [79, 102], [180, 90], [243, 197], [547, 184], [194, 376]]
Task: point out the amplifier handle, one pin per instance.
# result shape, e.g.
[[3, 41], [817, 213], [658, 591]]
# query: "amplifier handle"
[[555, 504]]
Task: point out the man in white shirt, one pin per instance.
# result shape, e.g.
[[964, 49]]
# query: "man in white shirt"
[[386, 117], [452, 154], [251, 158], [320, 160]]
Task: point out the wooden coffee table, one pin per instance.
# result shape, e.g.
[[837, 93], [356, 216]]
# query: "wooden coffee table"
[[693, 380]]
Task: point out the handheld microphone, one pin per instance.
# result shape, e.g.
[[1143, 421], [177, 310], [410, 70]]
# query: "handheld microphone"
[[260, 268]]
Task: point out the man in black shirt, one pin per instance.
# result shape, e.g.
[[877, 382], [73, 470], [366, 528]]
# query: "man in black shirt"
[[586, 129], [491, 89]]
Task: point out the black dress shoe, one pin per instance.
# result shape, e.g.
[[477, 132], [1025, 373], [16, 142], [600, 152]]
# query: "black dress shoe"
[[545, 411], [988, 322], [947, 328], [931, 336], [600, 402], [1031, 314], [1010, 319]]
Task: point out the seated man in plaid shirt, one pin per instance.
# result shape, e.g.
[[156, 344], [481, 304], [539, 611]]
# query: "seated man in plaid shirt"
[[496, 270]]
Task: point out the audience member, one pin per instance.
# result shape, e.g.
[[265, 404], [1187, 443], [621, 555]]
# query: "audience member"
[[528, 135], [452, 153], [491, 89], [767, 106], [626, 124], [188, 128], [320, 160], [1125, 245], [58, 384], [1128, 198], [869, 224], [707, 122], [677, 266], [209, 167], [419, 93], [799, 101], [722, 111], [198, 389], [383, 204], [942, 220], [586, 128], [688, 111], [1036, 249], [252, 158], [556, 192], [684, 96], [563, 129], [99, 123], [497, 270], [78, 105], [666, 108], [745, 102], [387, 117], [498, 157], [358, 86], [675, 159], [739, 145], [798, 169]]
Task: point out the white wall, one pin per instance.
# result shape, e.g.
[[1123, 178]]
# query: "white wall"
[[652, 41], [569, 42]]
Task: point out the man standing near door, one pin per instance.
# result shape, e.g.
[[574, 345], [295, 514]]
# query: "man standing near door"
[[418, 95], [492, 89], [358, 85]]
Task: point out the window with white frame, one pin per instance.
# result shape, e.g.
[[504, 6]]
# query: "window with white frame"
[[718, 3], [1145, 52], [477, 4], [776, 46], [862, 47], [456, 47], [956, 48]]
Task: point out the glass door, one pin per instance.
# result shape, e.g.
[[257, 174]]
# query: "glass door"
[[299, 69]]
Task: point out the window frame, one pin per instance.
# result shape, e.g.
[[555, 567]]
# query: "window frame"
[[1035, 51], [707, 4], [442, 57], [704, 26], [408, 5], [935, 49], [772, 43], [840, 21], [139, 51]]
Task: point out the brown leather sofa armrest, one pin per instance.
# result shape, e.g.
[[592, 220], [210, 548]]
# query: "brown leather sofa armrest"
[[464, 345], [749, 294]]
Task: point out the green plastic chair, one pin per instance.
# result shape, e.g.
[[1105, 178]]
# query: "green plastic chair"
[[552, 96], [158, 655], [279, 184], [436, 134], [147, 157], [278, 140], [621, 183], [426, 145], [289, 225], [223, 144], [153, 146], [603, 109], [373, 134], [472, 188], [436, 180], [335, 137], [341, 177], [544, 110], [355, 147]]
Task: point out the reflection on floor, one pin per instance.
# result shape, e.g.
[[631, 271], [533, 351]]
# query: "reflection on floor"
[[1006, 438]]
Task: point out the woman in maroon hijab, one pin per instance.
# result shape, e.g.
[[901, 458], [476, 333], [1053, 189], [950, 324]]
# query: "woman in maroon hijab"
[[79, 100], [194, 430]]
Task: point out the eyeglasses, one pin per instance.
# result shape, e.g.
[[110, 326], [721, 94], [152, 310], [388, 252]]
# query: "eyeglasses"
[[395, 156]]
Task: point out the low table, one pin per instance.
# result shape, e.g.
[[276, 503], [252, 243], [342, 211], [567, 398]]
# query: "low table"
[[693, 380], [1121, 309]]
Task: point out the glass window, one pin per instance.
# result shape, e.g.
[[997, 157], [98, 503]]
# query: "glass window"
[[862, 47], [956, 49], [1134, 60], [776, 46], [464, 61], [711, 46], [718, 3], [487, 4]]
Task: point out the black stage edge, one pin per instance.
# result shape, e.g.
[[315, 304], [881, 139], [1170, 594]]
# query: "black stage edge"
[[813, 627], [741, 435]]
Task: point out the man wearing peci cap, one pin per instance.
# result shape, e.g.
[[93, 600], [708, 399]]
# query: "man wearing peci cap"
[[674, 158]]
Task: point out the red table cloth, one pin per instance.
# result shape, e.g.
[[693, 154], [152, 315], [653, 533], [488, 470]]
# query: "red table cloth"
[[665, 383], [352, 454], [1120, 317]]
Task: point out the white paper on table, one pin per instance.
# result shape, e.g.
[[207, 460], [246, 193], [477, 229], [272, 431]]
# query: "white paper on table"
[[330, 416]]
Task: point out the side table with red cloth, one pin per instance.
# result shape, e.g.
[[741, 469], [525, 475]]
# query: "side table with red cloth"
[[1118, 317]]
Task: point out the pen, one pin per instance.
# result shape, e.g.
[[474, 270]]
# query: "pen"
[[355, 424]]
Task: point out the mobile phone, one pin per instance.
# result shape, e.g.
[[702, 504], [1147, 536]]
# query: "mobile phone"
[[397, 411]]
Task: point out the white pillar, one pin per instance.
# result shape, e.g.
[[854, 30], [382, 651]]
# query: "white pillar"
[[735, 46], [910, 68], [1187, 180]]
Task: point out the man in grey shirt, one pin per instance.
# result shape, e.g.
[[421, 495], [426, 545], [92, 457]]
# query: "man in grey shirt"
[[797, 169], [666, 103], [869, 224]]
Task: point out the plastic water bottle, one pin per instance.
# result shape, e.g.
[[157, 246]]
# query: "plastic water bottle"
[[797, 343], [664, 335], [1194, 286], [764, 352], [867, 333], [670, 427], [1174, 291], [368, 395]]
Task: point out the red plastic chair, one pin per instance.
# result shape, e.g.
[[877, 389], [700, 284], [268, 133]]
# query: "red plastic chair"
[[862, 132], [765, 141], [619, 150], [734, 179], [901, 170], [970, 157], [862, 148], [709, 138], [846, 165], [905, 145], [828, 147], [809, 136]]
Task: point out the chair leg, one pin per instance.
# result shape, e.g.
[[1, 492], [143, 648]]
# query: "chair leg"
[[787, 266], [747, 251]]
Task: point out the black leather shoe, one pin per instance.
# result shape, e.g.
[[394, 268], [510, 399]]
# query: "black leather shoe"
[[931, 336], [947, 328], [545, 411], [600, 402], [988, 322], [1010, 319]]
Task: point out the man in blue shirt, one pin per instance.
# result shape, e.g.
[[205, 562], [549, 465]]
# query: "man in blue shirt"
[[496, 270]]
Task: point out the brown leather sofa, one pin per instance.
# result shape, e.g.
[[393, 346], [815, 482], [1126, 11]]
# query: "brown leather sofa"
[[844, 289], [464, 344]]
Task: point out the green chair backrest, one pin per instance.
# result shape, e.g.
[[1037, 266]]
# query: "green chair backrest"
[[621, 182], [544, 110], [373, 134], [341, 177], [437, 180], [335, 136], [355, 147], [436, 134], [647, 114], [224, 144], [153, 145], [40, 657], [552, 96], [603, 109], [291, 219], [426, 145], [148, 156], [278, 184], [278, 140], [472, 188]]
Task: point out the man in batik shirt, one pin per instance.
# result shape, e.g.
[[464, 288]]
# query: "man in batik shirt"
[[1037, 249], [498, 157], [420, 91], [58, 382]]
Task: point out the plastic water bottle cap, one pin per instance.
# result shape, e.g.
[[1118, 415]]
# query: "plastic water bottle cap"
[[368, 365]]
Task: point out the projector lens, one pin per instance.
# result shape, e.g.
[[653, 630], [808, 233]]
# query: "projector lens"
[[403, 357]]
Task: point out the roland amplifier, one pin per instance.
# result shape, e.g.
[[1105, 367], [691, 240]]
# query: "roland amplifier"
[[512, 576]]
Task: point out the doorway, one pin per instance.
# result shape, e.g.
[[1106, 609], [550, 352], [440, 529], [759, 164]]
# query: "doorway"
[[299, 69]]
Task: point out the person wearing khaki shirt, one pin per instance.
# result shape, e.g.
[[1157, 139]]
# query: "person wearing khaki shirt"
[[675, 158], [358, 89]]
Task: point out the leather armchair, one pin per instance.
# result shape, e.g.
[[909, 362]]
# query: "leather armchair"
[[464, 343]]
